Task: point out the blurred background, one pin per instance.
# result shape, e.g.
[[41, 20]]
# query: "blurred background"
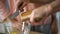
[[15, 18]]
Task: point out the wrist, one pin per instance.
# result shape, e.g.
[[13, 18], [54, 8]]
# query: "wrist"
[[54, 4], [58, 2]]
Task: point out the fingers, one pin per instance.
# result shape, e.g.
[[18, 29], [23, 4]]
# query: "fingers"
[[38, 15]]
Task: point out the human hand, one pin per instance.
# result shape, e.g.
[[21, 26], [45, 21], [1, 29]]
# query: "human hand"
[[39, 14]]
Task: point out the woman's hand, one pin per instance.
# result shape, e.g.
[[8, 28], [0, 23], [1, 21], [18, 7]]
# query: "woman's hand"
[[38, 15]]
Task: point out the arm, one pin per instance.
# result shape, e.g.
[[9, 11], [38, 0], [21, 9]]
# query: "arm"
[[43, 11], [53, 6]]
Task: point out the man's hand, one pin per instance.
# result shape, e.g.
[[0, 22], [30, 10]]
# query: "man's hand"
[[39, 14]]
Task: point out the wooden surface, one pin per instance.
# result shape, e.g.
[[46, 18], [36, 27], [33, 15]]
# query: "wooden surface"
[[35, 32]]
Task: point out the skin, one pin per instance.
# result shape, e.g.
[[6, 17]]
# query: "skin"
[[34, 12], [50, 7], [42, 11]]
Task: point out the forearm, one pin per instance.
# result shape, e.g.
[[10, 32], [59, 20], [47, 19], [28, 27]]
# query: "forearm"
[[52, 6]]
